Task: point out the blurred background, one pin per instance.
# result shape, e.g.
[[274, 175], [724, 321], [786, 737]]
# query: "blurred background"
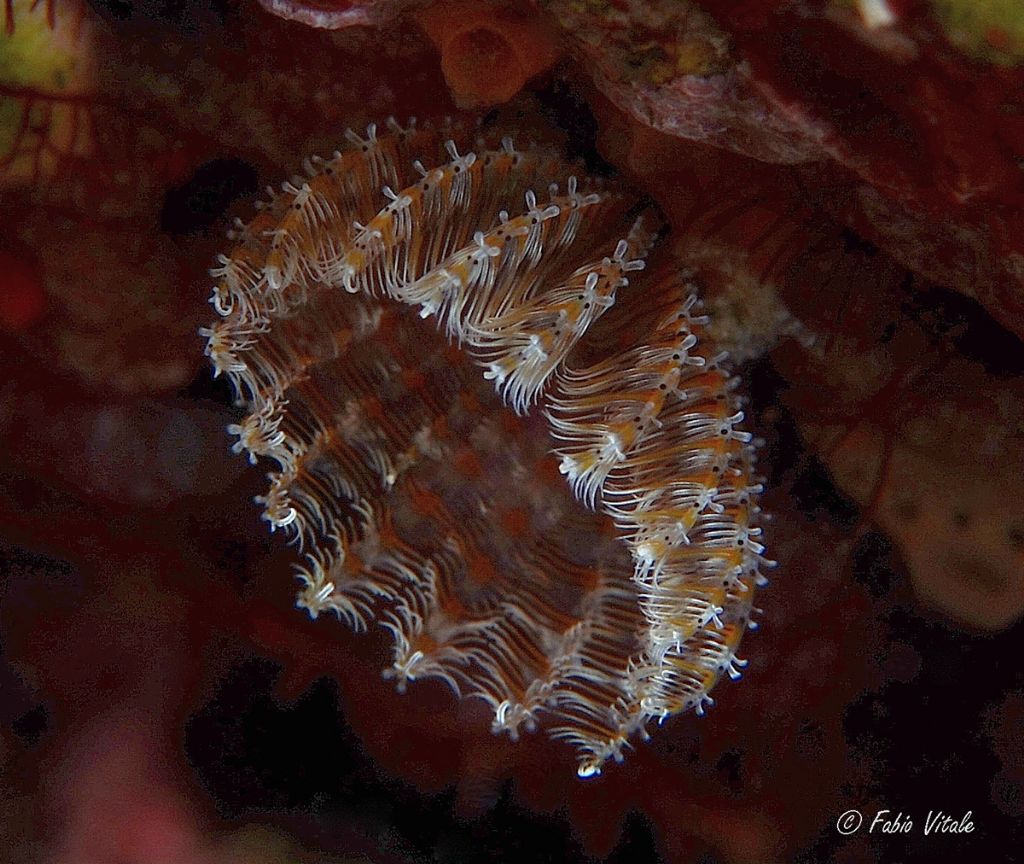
[[844, 177]]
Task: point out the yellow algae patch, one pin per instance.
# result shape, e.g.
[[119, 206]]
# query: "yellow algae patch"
[[990, 30], [46, 67]]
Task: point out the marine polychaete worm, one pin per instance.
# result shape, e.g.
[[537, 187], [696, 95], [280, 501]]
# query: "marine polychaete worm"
[[498, 430]]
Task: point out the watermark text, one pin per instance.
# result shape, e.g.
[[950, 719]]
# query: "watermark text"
[[889, 822]]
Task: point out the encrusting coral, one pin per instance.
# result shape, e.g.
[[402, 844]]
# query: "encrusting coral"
[[927, 166], [418, 467], [336, 14], [669, 65]]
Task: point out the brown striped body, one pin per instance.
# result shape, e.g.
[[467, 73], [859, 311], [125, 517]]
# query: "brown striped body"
[[492, 437]]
